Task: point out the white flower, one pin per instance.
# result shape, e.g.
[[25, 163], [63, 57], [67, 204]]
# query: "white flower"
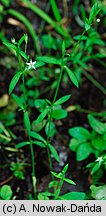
[[13, 40], [99, 159], [31, 65], [98, 20]]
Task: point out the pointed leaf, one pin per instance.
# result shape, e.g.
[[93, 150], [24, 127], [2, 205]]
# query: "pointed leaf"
[[49, 60], [14, 81], [69, 181], [18, 100], [59, 114], [36, 136], [62, 99], [97, 126], [50, 129], [54, 152], [38, 143], [71, 76], [22, 144], [42, 116]]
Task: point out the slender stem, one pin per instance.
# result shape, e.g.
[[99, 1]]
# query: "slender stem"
[[50, 161], [50, 117], [58, 84], [31, 144], [33, 167], [58, 189], [24, 90], [75, 47]]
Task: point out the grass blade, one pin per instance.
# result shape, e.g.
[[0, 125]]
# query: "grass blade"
[[45, 17], [55, 10]]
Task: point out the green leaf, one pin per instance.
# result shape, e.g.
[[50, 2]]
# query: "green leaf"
[[38, 126], [98, 144], [55, 10], [94, 11], [95, 168], [27, 121], [49, 60], [98, 193], [62, 100], [41, 104], [36, 136], [19, 174], [87, 26], [74, 143], [80, 133], [14, 81], [6, 192], [65, 169], [69, 181], [39, 64], [97, 126], [54, 152], [22, 39], [71, 76], [22, 144], [6, 2], [23, 54], [18, 100], [10, 45], [83, 151], [73, 196], [57, 175], [50, 129], [63, 49], [59, 114], [38, 143], [42, 116]]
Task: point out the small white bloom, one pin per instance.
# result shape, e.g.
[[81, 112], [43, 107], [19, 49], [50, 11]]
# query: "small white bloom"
[[98, 20], [13, 40], [31, 65], [99, 159]]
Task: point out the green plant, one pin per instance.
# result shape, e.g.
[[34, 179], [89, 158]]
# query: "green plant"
[[85, 143], [51, 110], [18, 170], [5, 192], [98, 193], [57, 186]]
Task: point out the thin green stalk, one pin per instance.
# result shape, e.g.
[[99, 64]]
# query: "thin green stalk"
[[59, 189], [76, 45], [50, 117], [31, 144], [33, 167], [58, 84], [24, 90]]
